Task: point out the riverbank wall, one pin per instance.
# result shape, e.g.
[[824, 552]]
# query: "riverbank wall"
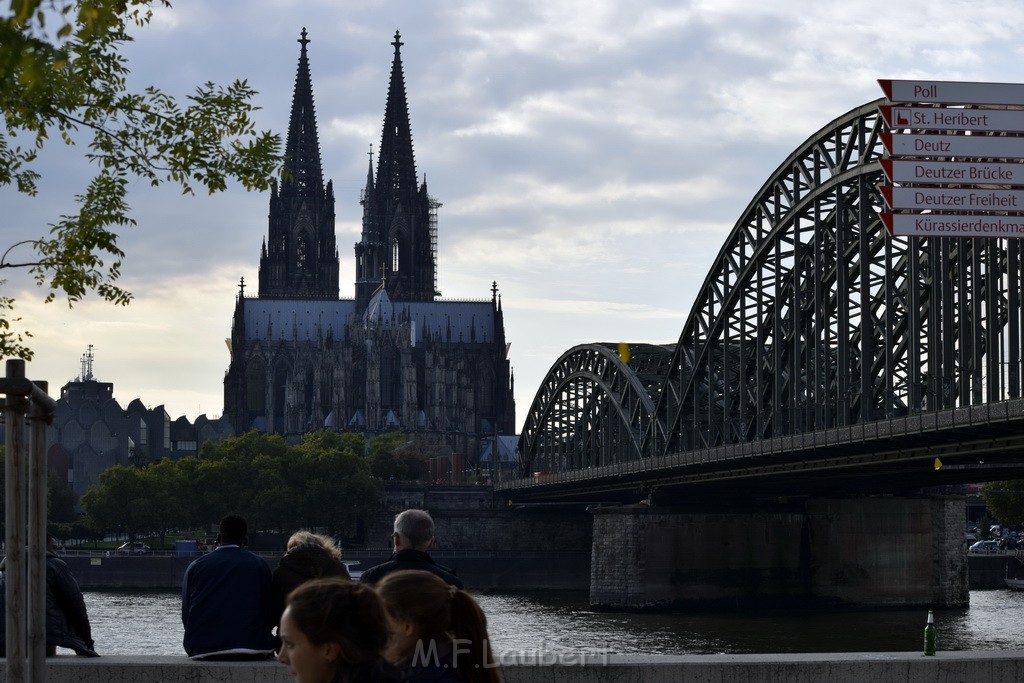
[[481, 571], [989, 571], [878, 667]]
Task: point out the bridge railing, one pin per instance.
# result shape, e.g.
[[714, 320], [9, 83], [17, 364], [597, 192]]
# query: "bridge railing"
[[924, 422]]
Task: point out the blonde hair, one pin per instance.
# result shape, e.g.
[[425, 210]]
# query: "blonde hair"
[[304, 537]]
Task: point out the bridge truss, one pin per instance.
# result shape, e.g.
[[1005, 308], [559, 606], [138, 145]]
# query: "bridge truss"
[[811, 318]]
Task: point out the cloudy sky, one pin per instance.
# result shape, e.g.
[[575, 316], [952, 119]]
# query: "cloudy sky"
[[591, 157]]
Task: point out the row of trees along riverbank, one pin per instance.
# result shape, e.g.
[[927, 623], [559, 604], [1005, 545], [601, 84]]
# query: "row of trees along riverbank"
[[328, 481]]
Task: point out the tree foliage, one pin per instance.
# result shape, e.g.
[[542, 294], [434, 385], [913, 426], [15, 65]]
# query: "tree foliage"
[[63, 76], [397, 456], [323, 482], [1006, 501]]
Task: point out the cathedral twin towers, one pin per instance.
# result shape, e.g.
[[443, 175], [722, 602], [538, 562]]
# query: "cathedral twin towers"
[[394, 358]]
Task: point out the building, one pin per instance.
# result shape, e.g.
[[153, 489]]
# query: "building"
[[91, 432], [395, 357]]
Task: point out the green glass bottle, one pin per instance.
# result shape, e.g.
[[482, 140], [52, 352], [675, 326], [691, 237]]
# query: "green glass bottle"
[[929, 635]]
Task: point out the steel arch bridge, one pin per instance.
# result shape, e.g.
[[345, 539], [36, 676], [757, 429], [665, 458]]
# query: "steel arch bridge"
[[811, 318]]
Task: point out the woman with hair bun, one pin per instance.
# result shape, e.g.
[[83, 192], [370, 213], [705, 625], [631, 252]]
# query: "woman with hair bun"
[[334, 631], [438, 631]]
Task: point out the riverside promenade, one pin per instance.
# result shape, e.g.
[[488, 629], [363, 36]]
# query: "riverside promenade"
[[877, 667]]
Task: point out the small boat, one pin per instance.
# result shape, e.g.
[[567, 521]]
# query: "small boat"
[[354, 573], [1016, 583]]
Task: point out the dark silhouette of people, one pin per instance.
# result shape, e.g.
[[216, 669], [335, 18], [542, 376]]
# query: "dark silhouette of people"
[[438, 631], [226, 602], [412, 538], [309, 556], [67, 621], [335, 630]]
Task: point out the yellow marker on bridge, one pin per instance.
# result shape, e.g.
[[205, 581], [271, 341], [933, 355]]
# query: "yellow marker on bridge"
[[624, 352], [938, 464]]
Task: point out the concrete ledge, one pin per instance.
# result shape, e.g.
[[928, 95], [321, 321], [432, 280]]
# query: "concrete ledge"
[[877, 667]]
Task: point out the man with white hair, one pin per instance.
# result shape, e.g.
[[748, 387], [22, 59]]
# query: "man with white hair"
[[413, 537]]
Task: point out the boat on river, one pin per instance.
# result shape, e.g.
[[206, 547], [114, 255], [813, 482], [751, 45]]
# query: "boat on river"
[[1017, 582]]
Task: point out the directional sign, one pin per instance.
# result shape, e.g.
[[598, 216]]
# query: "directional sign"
[[938, 225], [976, 146], [950, 171], [940, 118], [953, 92], [931, 172], [951, 198]]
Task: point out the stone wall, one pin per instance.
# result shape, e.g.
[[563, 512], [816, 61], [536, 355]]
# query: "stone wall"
[[646, 559], [856, 551], [471, 518], [878, 667], [889, 551]]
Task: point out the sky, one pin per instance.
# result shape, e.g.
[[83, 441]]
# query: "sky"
[[591, 158]]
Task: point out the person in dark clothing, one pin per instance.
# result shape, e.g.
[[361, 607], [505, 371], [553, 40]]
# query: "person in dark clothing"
[[309, 556], [438, 631], [226, 604], [413, 537], [335, 631], [67, 621]]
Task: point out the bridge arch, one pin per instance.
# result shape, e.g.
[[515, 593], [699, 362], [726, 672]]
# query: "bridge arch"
[[813, 317], [810, 318], [592, 408]]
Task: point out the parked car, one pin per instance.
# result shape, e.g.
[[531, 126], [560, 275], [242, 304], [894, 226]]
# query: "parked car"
[[132, 549], [984, 547]]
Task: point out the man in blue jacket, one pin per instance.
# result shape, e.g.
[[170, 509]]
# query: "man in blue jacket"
[[226, 604]]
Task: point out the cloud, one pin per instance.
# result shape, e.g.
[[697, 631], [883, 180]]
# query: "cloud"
[[591, 156]]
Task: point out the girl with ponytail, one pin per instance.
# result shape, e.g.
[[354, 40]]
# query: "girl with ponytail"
[[335, 631], [438, 632]]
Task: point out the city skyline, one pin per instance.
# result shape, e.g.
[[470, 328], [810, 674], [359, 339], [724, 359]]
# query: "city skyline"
[[591, 159]]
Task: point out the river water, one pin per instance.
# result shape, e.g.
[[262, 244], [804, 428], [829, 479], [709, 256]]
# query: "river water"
[[149, 623]]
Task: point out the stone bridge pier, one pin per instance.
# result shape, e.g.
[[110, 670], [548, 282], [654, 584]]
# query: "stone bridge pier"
[[871, 551]]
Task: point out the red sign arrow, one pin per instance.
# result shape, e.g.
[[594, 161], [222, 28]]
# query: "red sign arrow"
[[887, 221], [887, 163], [886, 191], [902, 119]]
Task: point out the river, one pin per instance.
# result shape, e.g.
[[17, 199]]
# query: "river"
[[149, 623]]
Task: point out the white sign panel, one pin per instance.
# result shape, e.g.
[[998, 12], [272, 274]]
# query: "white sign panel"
[[932, 172], [980, 146], [953, 199], [939, 118], [953, 92], [937, 225]]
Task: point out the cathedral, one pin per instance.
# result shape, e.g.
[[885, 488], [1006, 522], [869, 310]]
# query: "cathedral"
[[396, 357]]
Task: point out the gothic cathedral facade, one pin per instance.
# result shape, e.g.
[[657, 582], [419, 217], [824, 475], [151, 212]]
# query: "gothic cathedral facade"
[[395, 357]]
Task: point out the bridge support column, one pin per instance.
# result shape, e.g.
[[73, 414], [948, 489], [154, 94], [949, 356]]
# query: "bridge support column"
[[856, 551], [889, 551]]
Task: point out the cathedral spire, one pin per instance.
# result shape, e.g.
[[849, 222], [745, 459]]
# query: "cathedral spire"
[[300, 255], [303, 173], [396, 164]]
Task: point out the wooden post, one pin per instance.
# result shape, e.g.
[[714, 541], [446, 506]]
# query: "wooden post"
[[15, 513], [37, 540], [25, 514]]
